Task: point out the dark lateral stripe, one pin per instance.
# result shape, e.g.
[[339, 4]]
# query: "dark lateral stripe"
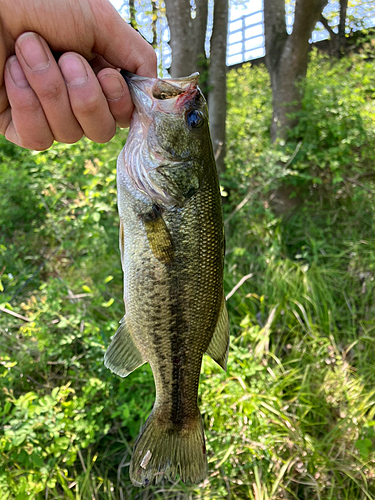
[[178, 334]]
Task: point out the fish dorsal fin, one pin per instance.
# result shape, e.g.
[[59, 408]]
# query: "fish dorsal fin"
[[122, 356], [219, 346]]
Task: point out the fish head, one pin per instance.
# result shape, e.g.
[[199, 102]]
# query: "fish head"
[[171, 121]]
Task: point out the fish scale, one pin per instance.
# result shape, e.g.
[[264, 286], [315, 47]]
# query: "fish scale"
[[172, 251]]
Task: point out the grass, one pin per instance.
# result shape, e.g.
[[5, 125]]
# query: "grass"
[[293, 417]]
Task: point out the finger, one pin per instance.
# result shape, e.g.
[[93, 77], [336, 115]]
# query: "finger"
[[5, 113], [87, 100], [117, 94], [28, 127], [45, 78], [120, 44], [99, 63]]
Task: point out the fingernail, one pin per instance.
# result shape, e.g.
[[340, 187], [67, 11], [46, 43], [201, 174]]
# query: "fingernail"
[[112, 87], [73, 70], [33, 52], [16, 73]]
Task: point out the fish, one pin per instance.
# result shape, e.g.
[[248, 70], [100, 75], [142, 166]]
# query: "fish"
[[172, 254]]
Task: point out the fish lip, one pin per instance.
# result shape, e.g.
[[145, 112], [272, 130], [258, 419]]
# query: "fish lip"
[[131, 78], [139, 87]]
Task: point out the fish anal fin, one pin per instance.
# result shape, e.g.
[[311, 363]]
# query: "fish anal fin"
[[122, 356], [219, 346]]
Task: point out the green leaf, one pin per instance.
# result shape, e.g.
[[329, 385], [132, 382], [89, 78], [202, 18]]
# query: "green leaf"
[[109, 303], [36, 459], [364, 446]]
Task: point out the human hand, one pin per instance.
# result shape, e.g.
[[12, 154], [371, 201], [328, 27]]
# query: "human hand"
[[42, 100]]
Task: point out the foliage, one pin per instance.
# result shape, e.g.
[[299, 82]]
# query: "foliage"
[[293, 417], [328, 152]]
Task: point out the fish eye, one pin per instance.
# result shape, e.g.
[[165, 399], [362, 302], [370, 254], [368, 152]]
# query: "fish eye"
[[194, 118]]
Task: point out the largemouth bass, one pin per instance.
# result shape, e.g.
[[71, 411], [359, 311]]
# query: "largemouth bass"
[[172, 251]]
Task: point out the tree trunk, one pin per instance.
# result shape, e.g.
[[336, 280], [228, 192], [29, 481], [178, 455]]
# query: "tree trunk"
[[187, 42], [217, 96], [154, 24], [132, 12], [200, 29], [343, 9], [286, 58], [182, 37]]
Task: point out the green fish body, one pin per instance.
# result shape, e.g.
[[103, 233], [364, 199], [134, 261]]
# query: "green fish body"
[[172, 250]]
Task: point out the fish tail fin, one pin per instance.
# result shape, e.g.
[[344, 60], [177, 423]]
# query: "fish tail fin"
[[165, 450]]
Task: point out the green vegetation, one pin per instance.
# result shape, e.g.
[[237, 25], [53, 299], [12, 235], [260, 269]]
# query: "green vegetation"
[[293, 417]]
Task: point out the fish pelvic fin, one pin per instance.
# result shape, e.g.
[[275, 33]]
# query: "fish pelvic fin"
[[122, 356], [218, 348], [165, 450]]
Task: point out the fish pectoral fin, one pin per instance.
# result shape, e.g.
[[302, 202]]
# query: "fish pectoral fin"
[[219, 346], [159, 237], [122, 356]]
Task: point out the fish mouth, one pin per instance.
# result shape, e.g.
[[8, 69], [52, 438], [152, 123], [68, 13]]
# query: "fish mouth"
[[145, 91]]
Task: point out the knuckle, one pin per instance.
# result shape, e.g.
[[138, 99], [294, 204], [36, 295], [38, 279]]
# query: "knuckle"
[[88, 106], [27, 105], [51, 92]]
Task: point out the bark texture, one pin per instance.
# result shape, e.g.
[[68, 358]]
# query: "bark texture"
[[286, 57], [182, 40], [188, 37], [217, 96], [200, 29]]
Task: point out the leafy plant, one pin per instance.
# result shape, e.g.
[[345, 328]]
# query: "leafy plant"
[[293, 418]]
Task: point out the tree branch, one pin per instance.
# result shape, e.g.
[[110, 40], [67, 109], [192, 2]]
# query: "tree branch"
[[324, 21], [16, 315]]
